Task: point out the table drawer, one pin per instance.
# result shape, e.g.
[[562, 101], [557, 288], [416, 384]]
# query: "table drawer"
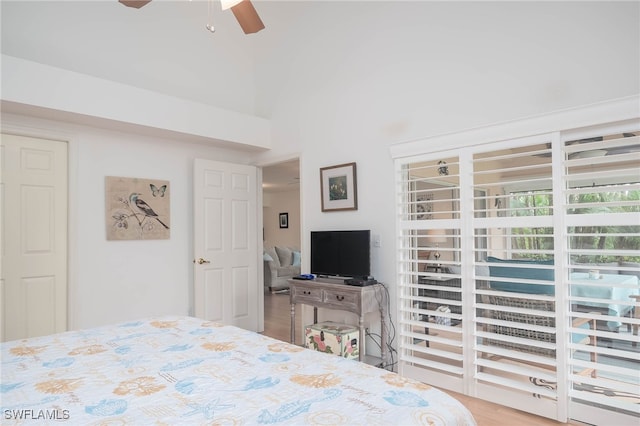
[[345, 300], [306, 294]]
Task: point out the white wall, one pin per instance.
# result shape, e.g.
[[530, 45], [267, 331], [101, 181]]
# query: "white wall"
[[357, 78], [82, 98], [274, 204], [113, 281]]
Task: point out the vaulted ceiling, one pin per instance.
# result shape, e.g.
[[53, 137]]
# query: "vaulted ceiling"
[[163, 47]]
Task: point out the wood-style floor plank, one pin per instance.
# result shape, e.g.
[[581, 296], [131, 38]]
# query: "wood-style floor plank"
[[277, 324]]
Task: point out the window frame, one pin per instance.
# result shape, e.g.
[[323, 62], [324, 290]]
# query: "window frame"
[[617, 115]]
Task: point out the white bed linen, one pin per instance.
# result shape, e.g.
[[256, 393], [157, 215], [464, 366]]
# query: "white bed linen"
[[183, 370]]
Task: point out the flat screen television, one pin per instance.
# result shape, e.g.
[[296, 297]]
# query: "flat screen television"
[[341, 253]]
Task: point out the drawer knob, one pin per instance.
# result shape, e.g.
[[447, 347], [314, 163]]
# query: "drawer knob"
[[340, 298]]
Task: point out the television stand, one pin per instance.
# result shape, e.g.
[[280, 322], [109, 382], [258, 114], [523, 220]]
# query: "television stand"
[[332, 294], [333, 280]]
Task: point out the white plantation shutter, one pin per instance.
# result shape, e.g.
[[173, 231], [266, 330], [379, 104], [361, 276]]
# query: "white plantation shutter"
[[601, 186], [431, 292], [515, 331], [508, 312]]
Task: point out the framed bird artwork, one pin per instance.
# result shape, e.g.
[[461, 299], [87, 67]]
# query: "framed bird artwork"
[[137, 208]]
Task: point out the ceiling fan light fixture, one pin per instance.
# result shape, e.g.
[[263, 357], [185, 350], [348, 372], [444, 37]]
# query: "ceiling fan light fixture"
[[134, 3], [243, 10], [228, 4]]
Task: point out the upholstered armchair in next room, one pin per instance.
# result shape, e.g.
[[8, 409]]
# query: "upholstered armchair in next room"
[[280, 265]]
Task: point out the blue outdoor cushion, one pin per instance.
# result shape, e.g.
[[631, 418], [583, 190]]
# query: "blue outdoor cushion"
[[579, 338], [520, 272]]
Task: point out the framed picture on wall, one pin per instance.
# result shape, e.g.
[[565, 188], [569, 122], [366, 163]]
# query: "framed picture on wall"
[[284, 220], [137, 208], [338, 189]]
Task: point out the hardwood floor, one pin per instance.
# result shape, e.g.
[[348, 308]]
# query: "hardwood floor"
[[277, 316], [277, 324]]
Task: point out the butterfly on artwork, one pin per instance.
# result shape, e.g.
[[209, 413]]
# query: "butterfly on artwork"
[[158, 191]]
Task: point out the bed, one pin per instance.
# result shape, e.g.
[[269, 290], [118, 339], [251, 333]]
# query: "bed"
[[183, 370]]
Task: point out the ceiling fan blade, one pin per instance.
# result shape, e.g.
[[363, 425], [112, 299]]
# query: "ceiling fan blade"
[[134, 3], [247, 17]]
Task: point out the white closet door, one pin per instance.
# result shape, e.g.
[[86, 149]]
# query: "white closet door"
[[34, 237]]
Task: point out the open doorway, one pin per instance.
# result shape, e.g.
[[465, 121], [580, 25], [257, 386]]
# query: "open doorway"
[[281, 241]]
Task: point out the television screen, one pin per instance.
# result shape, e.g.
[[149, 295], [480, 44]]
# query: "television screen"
[[341, 253]]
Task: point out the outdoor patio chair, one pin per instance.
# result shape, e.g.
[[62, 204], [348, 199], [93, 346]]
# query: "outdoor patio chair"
[[522, 329]]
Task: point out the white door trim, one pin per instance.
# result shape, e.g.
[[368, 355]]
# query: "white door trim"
[[15, 125]]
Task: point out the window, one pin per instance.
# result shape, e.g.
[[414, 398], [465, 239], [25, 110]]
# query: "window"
[[517, 281]]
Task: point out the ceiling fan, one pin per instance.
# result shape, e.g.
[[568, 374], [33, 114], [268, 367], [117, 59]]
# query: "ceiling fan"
[[243, 10]]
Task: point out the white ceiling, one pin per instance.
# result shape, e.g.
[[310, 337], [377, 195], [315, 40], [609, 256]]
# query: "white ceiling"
[[163, 46], [281, 177]]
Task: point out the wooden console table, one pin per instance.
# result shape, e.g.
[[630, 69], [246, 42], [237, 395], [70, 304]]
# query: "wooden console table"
[[328, 294]]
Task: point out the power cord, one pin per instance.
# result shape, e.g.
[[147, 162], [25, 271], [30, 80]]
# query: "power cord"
[[391, 335]]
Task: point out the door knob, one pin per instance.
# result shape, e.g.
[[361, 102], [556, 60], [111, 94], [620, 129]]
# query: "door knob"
[[201, 261]]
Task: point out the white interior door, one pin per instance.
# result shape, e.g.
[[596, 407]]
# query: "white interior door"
[[33, 280], [226, 253]]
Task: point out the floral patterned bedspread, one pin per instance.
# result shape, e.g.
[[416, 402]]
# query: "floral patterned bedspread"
[[183, 370]]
